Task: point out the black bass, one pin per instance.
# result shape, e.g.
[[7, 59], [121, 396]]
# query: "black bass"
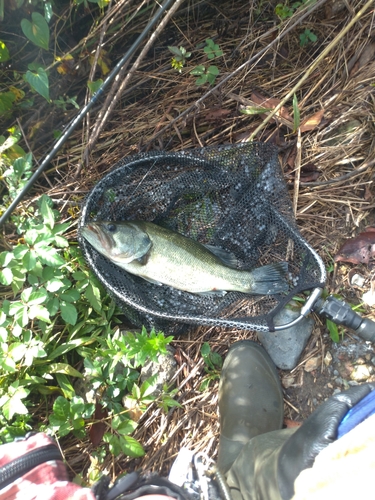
[[163, 256]]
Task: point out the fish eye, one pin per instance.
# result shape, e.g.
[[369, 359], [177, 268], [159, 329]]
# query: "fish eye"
[[111, 227]]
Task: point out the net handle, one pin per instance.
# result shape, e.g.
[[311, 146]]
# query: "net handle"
[[305, 309]]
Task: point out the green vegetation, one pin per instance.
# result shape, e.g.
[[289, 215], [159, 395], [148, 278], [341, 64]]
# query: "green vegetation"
[[55, 316], [205, 74], [212, 366], [306, 37], [59, 326], [179, 59]]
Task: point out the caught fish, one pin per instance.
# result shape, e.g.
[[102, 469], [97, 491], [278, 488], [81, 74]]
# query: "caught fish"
[[166, 257]]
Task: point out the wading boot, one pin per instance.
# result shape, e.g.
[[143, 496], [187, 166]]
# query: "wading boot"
[[250, 399]]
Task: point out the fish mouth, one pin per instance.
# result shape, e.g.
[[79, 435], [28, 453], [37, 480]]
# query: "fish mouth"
[[100, 235]]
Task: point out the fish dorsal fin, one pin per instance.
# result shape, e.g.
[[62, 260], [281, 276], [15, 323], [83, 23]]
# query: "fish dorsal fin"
[[227, 258]]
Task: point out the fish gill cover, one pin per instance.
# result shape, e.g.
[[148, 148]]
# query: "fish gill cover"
[[231, 197]]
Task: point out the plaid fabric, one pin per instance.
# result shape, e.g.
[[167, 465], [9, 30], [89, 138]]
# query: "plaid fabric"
[[47, 481]]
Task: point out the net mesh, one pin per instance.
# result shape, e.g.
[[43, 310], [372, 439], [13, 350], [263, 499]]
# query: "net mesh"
[[232, 197]]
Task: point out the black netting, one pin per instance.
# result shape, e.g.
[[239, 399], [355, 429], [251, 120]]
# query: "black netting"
[[233, 197]]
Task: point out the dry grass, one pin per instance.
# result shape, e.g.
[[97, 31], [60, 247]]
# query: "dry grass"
[[329, 209]]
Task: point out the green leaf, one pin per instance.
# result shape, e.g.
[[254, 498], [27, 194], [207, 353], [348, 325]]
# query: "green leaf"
[[5, 258], [37, 297], [54, 284], [64, 368], [201, 80], [19, 311], [6, 101], [113, 443], [68, 312], [68, 346], [92, 294], [40, 312], [333, 330], [213, 70], [61, 242], [37, 31], [94, 86], [48, 255], [126, 427], [14, 404], [7, 364], [20, 250], [205, 349], [39, 82], [3, 334], [70, 295], [175, 50], [131, 447], [53, 306], [61, 408], [6, 276], [136, 392], [46, 211], [216, 359], [198, 70], [296, 114], [29, 260], [4, 53], [65, 385]]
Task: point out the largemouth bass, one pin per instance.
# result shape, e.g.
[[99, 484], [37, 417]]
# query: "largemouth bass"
[[166, 257]]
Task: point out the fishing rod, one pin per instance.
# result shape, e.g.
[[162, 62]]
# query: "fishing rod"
[[77, 120]]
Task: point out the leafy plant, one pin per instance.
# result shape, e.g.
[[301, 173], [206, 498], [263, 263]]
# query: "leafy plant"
[[179, 57], [205, 74], [213, 363], [284, 10], [306, 37], [63, 101], [212, 50]]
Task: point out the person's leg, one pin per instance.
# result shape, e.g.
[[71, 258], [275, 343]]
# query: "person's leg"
[[261, 461], [250, 399]]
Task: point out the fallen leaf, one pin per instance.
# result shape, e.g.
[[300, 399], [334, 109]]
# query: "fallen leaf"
[[312, 122], [288, 381], [312, 363], [309, 172], [271, 103], [98, 428], [361, 58], [358, 250], [213, 114]]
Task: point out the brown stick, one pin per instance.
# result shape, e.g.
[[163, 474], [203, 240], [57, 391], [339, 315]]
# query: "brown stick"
[[112, 101]]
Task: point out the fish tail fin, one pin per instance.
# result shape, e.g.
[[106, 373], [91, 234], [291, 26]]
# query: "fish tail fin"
[[270, 279]]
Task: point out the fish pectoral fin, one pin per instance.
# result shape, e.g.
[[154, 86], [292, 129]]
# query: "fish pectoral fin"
[[154, 282], [143, 259], [227, 258]]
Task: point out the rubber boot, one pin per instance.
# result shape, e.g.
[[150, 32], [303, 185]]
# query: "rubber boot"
[[250, 399]]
